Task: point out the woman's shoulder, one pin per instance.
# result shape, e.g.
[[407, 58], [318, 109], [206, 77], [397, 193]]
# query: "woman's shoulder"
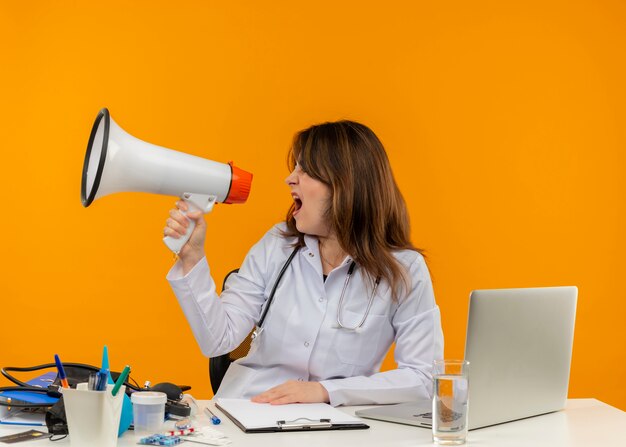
[[278, 230], [267, 254], [410, 259], [275, 238], [278, 234]]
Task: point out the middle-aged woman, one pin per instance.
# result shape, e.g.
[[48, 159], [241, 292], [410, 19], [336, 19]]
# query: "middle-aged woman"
[[352, 285]]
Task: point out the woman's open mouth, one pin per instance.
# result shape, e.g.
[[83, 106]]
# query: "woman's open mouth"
[[297, 204]]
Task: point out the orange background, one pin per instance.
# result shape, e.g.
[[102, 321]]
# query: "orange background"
[[504, 123]]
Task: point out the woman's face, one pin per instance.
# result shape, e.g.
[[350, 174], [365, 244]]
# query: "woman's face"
[[311, 199]]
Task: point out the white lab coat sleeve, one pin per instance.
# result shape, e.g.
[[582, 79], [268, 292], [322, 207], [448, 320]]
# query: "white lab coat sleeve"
[[418, 341], [220, 325]]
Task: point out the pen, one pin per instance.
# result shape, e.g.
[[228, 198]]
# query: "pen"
[[101, 379], [120, 380], [62, 375], [93, 381], [214, 418]]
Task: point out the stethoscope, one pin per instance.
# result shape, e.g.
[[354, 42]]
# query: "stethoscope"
[[343, 292], [259, 327]]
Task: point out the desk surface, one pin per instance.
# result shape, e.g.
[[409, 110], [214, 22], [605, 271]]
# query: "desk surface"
[[584, 422]]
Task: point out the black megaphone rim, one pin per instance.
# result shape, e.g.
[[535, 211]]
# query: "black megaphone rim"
[[87, 199]]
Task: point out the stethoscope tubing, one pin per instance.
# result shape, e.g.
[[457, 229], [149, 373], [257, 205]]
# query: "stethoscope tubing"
[[259, 327], [340, 305]]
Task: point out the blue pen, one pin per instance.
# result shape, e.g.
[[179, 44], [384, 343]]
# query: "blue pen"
[[101, 380], [62, 375], [214, 418]]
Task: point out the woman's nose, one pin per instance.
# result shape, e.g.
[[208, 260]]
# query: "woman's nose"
[[291, 178]]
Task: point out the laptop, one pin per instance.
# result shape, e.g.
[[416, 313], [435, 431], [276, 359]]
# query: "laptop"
[[519, 345]]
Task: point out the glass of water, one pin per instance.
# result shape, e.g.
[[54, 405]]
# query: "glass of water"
[[450, 401]]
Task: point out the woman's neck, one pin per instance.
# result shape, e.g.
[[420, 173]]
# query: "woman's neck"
[[331, 253]]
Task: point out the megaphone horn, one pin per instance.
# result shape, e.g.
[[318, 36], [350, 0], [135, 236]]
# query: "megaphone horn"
[[118, 162]]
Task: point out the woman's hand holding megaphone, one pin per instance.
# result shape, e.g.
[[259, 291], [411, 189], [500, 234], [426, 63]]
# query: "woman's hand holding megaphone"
[[176, 227]]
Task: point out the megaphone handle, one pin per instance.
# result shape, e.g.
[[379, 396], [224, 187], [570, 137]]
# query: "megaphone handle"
[[176, 245]]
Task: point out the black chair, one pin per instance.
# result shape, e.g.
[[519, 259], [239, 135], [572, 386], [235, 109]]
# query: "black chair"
[[219, 365]]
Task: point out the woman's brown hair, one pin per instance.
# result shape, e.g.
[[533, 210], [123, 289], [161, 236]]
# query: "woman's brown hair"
[[367, 211]]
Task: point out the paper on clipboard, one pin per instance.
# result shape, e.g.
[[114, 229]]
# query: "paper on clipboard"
[[254, 417]]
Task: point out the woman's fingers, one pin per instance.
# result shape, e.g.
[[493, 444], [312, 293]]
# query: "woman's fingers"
[[271, 394], [293, 391], [176, 225], [182, 205]]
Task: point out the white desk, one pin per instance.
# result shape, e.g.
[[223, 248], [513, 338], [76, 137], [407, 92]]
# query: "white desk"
[[584, 423]]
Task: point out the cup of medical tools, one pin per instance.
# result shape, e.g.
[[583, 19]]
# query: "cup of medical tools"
[[450, 401], [93, 417], [148, 411]]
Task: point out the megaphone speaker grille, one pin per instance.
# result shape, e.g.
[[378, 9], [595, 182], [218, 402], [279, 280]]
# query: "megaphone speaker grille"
[[95, 157]]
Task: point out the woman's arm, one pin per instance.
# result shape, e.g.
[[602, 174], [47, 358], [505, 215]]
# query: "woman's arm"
[[220, 325]]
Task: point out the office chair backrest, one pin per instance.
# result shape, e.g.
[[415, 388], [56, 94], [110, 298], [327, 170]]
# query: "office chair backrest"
[[219, 365]]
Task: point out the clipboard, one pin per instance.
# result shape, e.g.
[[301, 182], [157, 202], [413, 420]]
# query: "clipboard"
[[253, 417]]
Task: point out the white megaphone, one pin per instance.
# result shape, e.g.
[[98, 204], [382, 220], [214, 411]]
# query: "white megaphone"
[[117, 162]]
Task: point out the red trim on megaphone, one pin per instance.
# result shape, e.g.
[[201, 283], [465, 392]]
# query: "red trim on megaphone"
[[239, 186]]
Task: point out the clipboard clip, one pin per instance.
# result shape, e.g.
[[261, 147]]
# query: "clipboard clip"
[[306, 424]]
